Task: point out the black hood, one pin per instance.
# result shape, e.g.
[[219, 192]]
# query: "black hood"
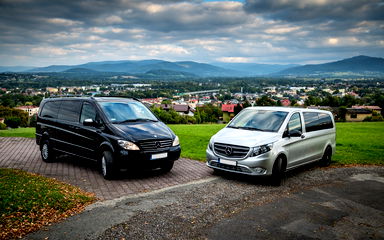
[[139, 131]]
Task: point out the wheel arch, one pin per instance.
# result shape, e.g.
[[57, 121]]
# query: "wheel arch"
[[105, 146], [284, 161]]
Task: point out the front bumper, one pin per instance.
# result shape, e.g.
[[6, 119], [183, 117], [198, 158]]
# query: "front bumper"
[[256, 166], [140, 159]]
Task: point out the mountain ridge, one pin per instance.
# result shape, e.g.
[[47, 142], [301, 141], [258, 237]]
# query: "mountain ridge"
[[354, 66]]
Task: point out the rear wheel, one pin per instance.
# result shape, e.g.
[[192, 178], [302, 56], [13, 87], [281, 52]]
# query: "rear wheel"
[[326, 160], [278, 171], [47, 153], [107, 165]]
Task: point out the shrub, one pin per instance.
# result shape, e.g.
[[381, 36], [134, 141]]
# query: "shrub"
[[6, 112], [32, 122], [12, 122], [376, 118], [3, 126]]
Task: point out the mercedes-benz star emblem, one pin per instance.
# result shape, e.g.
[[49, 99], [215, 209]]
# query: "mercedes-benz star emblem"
[[228, 151], [158, 144]]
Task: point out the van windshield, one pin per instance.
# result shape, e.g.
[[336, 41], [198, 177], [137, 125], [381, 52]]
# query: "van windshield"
[[259, 120], [124, 112]]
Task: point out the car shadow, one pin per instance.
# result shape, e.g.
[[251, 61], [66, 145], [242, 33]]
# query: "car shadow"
[[122, 174], [266, 180]]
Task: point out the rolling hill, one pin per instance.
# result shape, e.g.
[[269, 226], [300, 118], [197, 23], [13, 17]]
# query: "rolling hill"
[[142, 67], [359, 65]]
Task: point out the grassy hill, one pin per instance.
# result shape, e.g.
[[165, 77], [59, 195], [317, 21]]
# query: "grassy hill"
[[357, 143]]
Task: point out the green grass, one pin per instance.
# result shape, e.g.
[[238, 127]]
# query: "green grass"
[[29, 201], [359, 143], [18, 132], [194, 138]]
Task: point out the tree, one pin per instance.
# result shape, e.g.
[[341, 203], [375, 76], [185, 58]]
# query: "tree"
[[265, 101], [237, 109]]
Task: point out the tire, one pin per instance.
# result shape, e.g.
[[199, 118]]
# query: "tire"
[[107, 167], [47, 153], [277, 172], [167, 166], [326, 159]]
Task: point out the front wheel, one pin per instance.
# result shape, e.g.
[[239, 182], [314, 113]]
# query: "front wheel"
[[47, 153], [107, 165], [277, 172], [326, 159]]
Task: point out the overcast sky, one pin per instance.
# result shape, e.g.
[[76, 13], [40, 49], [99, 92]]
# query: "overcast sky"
[[52, 32]]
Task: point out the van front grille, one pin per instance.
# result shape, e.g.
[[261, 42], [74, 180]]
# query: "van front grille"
[[230, 167], [156, 145], [231, 151]]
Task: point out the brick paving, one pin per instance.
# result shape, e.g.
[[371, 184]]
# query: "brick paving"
[[24, 154]]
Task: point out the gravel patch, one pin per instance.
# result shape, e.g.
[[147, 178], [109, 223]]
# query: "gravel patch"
[[189, 212]]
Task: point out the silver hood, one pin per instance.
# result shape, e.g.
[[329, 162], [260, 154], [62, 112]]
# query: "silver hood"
[[242, 137]]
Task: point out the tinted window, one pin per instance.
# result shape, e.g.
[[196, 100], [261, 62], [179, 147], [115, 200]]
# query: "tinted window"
[[50, 109], [295, 123], [317, 121], [88, 112], [70, 111], [325, 121]]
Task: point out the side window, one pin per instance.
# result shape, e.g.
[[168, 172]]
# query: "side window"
[[295, 123], [325, 121], [50, 109], [317, 121], [70, 111], [88, 112], [311, 120]]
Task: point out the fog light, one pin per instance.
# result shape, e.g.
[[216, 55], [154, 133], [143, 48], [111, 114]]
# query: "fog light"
[[259, 170]]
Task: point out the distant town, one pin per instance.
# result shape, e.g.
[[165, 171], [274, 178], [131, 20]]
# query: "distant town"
[[202, 100]]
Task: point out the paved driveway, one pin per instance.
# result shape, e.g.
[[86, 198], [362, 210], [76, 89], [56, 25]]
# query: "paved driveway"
[[23, 153]]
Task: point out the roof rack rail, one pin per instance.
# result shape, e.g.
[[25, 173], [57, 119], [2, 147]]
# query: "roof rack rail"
[[117, 96], [64, 96]]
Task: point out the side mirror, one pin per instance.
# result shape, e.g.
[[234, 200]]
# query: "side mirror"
[[292, 133], [295, 133], [89, 122]]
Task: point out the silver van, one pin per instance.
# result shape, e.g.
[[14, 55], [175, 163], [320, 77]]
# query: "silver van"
[[267, 141]]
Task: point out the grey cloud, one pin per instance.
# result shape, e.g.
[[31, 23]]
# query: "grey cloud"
[[299, 10], [120, 29], [29, 19]]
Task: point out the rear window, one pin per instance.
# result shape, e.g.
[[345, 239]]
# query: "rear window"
[[317, 121], [50, 109], [70, 111]]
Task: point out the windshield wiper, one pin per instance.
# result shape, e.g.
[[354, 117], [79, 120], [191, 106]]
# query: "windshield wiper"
[[137, 120], [233, 127], [252, 128]]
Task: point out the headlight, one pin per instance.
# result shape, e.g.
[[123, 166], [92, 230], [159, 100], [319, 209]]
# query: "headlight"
[[176, 141], [261, 149], [127, 145], [210, 145]]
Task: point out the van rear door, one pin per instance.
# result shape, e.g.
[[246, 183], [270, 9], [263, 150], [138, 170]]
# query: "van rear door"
[[67, 126]]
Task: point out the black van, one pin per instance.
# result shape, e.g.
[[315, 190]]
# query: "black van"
[[116, 132]]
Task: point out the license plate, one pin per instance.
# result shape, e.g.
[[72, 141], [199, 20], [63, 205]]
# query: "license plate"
[[232, 163], [159, 156]]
